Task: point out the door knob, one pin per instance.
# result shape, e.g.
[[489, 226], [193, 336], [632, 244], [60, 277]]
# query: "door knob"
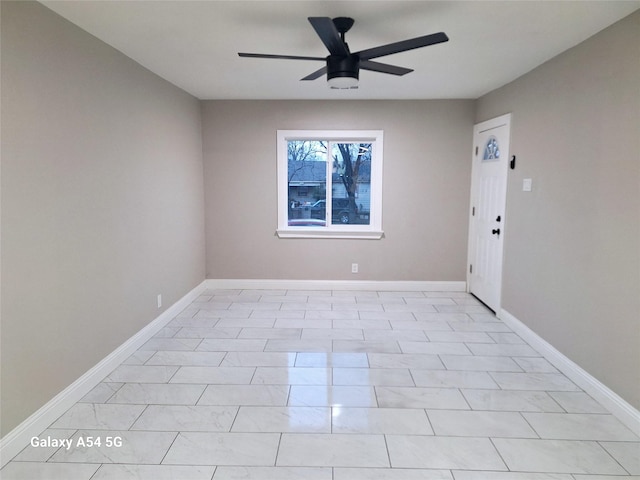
[[496, 231]]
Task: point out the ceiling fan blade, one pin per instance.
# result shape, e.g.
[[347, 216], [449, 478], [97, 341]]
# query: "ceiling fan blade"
[[383, 68], [286, 57], [403, 46], [316, 74], [328, 33]]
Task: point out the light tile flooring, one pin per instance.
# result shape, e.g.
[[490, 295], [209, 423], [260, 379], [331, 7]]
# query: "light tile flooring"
[[321, 385]]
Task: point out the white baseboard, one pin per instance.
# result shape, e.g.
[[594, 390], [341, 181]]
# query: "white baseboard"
[[620, 408], [369, 285], [13, 443]]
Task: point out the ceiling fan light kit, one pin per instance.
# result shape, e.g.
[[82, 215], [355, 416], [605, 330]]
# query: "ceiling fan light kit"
[[343, 72], [343, 67]]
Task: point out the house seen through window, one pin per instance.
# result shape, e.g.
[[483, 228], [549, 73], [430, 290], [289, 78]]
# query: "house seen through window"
[[329, 183]]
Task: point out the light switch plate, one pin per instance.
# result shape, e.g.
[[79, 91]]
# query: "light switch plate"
[[526, 184]]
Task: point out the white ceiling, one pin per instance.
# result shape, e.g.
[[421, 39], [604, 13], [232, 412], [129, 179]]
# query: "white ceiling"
[[194, 44]]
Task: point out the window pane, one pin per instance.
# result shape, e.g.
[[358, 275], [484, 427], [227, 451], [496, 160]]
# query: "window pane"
[[351, 183], [307, 182], [491, 149]]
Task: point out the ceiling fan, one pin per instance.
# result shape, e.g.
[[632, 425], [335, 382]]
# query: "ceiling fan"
[[343, 67]]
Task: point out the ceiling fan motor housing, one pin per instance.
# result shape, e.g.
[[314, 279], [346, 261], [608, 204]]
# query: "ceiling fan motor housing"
[[339, 66]]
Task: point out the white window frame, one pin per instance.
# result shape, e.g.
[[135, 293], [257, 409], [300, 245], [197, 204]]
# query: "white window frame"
[[371, 231]]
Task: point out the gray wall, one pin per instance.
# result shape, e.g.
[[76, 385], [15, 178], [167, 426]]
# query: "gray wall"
[[572, 245], [427, 148], [102, 203]]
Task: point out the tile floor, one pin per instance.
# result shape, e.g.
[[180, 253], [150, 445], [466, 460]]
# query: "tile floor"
[[322, 385]]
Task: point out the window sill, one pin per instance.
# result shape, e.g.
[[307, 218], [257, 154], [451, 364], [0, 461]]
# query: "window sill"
[[314, 233]]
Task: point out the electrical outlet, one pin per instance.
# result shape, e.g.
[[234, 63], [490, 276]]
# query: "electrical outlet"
[[159, 301], [354, 268]]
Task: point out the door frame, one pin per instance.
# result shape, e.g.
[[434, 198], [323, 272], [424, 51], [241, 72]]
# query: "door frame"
[[477, 129]]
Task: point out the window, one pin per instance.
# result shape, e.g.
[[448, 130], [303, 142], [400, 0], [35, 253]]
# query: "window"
[[491, 149], [329, 184]]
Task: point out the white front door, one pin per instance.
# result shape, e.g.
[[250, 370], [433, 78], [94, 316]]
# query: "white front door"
[[488, 201]]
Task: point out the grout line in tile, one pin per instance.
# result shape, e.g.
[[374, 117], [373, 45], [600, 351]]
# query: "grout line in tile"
[[96, 472], [235, 417], [200, 396], [386, 446], [168, 449], [275, 460], [499, 454], [599, 442], [174, 374], [529, 423]]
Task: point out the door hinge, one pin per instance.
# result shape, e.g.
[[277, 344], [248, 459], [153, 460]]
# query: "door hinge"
[[473, 211], [470, 268], [476, 150]]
